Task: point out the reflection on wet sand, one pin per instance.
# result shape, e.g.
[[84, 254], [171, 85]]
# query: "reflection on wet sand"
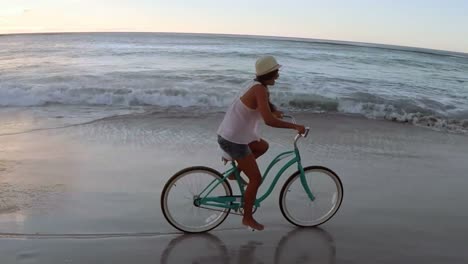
[[301, 245]]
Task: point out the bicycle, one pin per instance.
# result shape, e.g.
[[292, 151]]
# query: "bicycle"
[[211, 202]]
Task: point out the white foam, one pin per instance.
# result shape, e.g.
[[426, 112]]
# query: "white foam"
[[166, 98]]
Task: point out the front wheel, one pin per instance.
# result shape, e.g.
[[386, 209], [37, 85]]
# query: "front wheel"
[[299, 209]]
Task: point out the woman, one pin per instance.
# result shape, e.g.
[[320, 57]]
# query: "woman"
[[237, 134]]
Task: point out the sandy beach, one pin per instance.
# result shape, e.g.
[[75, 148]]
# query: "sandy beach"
[[90, 193]]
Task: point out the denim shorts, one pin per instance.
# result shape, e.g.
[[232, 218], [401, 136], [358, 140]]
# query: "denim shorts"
[[236, 151]]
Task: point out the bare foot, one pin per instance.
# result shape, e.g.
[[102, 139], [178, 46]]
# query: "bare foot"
[[253, 224]]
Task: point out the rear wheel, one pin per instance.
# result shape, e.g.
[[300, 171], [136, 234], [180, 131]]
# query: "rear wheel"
[[299, 209], [180, 195]]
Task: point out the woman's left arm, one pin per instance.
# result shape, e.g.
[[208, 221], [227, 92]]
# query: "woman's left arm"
[[275, 111]]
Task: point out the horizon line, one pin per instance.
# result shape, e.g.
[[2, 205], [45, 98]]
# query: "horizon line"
[[290, 38]]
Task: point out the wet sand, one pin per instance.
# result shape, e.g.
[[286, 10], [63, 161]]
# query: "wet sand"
[[90, 194]]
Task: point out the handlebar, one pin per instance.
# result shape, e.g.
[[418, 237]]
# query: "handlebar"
[[294, 122], [298, 135]]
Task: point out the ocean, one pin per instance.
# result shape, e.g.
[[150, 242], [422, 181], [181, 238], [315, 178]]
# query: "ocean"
[[71, 78]]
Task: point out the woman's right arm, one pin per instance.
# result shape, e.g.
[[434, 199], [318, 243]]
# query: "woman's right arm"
[[263, 106]]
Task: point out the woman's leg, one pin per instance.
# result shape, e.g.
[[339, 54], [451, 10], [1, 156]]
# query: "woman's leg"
[[258, 148], [249, 166]]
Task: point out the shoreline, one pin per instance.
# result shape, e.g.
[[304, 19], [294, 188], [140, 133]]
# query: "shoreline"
[[46, 122]]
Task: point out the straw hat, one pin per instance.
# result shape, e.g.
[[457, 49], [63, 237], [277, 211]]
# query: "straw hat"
[[266, 64]]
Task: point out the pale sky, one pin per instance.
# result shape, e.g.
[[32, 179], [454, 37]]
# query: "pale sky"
[[436, 24]]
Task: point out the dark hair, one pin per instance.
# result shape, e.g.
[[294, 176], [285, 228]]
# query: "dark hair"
[[266, 77]]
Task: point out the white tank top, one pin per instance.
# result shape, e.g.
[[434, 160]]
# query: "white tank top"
[[240, 124]]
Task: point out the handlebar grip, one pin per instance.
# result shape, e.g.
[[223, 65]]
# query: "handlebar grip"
[[294, 122]]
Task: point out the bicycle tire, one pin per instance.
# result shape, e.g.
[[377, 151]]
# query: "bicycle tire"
[[169, 214], [295, 179]]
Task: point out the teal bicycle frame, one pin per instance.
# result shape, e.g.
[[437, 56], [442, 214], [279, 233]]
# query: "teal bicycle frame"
[[232, 201]]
